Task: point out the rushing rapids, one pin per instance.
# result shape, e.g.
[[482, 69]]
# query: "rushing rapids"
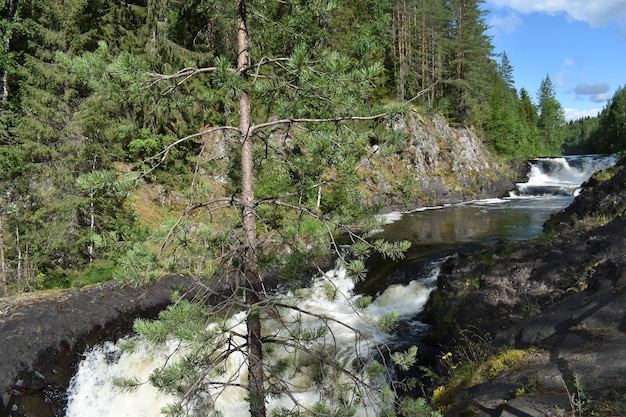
[[93, 391], [551, 186], [562, 176]]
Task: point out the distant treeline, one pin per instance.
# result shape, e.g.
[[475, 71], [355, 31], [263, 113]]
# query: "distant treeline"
[[603, 134]]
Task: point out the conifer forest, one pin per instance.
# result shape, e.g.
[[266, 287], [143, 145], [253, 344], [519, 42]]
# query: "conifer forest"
[[247, 121]]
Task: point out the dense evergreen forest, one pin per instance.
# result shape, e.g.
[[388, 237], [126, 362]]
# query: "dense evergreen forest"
[[92, 89], [603, 134]]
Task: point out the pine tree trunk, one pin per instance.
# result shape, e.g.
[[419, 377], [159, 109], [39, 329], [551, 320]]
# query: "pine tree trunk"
[[5, 74], [401, 48], [3, 267], [253, 285], [92, 215], [5, 89], [6, 45], [19, 254]]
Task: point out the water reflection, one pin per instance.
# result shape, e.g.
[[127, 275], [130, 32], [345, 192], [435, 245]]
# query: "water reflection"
[[510, 218], [434, 233]]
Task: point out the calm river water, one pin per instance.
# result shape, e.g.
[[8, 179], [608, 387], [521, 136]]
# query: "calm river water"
[[435, 231]]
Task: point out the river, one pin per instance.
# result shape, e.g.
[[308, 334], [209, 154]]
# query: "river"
[[403, 287]]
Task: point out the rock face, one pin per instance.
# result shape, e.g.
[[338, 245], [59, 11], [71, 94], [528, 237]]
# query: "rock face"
[[563, 299], [435, 163], [44, 333]]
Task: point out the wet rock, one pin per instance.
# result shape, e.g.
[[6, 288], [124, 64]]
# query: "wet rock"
[[44, 333]]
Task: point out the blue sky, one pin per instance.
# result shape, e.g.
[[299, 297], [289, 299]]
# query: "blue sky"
[[580, 44]]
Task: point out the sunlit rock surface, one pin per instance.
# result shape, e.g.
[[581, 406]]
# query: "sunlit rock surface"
[[435, 163]]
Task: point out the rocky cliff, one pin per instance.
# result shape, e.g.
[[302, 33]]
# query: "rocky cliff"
[[436, 163]]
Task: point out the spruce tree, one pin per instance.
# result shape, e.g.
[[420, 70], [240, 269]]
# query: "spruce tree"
[[505, 69], [503, 124], [551, 118]]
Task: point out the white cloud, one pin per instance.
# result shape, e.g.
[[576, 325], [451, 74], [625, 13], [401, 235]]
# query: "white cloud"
[[568, 62], [594, 12], [506, 24], [575, 114]]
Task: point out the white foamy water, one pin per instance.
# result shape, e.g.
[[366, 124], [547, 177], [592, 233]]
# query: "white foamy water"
[[562, 175], [92, 391], [391, 217]]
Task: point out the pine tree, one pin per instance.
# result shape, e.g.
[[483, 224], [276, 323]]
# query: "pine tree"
[[420, 32], [551, 118], [470, 66], [294, 149]]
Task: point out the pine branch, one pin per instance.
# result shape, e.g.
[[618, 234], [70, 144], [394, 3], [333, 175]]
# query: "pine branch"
[[185, 73], [317, 120]]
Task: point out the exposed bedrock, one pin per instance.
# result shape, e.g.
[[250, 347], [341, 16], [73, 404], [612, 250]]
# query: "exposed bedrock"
[[562, 299], [43, 333]]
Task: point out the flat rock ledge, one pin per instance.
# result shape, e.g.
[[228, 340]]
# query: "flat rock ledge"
[[43, 334]]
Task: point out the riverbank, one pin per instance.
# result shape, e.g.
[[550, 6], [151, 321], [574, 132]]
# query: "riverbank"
[[44, 334], [558, 303]]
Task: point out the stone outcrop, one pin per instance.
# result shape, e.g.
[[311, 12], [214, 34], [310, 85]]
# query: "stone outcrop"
[[44, 333], [563, 300], [435, 164]]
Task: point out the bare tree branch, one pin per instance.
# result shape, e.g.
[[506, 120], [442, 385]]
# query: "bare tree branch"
[[184, 73], [162, 156], [323, 120], [424, 91]]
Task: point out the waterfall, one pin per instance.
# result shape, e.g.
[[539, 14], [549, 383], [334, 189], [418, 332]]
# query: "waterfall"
[[93, 392], [562, 176]]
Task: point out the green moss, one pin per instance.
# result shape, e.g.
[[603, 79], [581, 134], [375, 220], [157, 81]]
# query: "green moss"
[[465, 374], [504, 361], [473, 282], [604, 175]]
